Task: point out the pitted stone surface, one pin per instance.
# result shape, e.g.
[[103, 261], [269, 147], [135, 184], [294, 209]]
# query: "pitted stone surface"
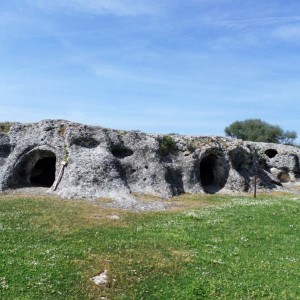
[[106, 163]]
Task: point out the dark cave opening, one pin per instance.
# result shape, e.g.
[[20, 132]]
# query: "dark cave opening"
[[43, 172], [271, 153], [35, 168], [213, 173], [206, 171], [121, 152]]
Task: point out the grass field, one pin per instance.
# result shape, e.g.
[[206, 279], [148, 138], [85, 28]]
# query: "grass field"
[[217, 247]]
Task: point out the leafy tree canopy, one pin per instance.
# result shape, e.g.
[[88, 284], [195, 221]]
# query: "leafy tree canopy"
[[259, 131]]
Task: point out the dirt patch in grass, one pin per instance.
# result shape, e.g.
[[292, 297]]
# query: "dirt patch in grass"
[[182, 202]]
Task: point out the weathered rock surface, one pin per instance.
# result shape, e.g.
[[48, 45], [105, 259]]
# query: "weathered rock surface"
[[106, 163]]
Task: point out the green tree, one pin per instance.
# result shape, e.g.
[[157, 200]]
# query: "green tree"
[[167, 145], [259, 131]]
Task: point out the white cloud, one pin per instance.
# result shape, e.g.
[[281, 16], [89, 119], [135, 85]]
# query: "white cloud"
[[288, 33], [98, 7], [247, 22]]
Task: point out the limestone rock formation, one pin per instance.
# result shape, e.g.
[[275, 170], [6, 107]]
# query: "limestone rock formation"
[[116, 164]]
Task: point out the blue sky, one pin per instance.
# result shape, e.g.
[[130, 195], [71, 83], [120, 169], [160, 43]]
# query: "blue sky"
[[184, 66]]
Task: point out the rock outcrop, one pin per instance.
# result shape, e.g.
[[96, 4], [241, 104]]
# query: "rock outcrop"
[[114, 164]]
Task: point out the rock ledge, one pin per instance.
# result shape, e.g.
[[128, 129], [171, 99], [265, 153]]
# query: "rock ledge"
[[106, 163]]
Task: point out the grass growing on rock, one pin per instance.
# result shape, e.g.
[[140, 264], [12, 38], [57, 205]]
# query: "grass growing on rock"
[[5, 127], [227, 248]]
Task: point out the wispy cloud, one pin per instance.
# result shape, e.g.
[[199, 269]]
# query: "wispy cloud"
[[253, 32], [288, 33], [156, 65], [98, 7], [219, 19], [256, 21]]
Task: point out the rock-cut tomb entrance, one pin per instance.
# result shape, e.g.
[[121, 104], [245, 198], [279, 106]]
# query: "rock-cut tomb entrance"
[[35, 169], [213, 173]]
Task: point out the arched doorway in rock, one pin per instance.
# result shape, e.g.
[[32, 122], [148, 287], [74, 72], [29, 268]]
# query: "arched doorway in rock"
[[213, 173], [35, 168]]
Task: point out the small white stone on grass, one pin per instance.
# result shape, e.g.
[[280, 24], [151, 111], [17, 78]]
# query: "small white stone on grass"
[[101, 278], [113, 217]]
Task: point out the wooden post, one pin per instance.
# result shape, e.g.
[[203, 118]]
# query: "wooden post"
[[256, 172], [255, 178]]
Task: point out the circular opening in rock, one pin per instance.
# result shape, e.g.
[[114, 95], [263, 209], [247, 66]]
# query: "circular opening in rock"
[[213, 173], [271, 153]]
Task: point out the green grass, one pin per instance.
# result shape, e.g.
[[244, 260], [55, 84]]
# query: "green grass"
[[5, 127], [217, 247]]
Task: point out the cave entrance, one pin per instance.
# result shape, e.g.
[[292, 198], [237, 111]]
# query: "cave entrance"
[[34, 169], [213, 173], [206, 171], [43, 172], [271, 153], [284, 177]]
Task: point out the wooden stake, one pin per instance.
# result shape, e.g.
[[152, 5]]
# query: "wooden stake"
[[255, 178]]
